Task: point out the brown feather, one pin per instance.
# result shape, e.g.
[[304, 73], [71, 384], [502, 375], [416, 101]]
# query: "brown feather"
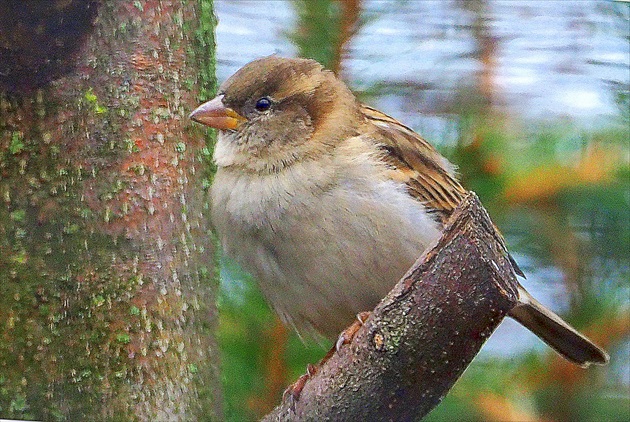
[[429, 177]]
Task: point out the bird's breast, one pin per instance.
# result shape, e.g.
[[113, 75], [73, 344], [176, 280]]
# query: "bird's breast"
[[322, 249]]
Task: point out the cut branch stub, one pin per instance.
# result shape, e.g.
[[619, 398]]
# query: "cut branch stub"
[[422, 336]]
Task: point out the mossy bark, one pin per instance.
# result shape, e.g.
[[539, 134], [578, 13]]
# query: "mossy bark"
[[106, 262]]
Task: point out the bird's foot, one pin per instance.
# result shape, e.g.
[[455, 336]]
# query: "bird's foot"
[[294, 390], [348, 334]]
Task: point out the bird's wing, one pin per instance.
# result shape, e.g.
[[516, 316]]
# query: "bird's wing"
[[430, 178]]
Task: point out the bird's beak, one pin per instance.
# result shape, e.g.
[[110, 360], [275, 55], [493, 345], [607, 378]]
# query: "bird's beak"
[[215, 114]]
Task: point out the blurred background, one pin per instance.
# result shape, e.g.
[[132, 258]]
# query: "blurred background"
[[531, 100]]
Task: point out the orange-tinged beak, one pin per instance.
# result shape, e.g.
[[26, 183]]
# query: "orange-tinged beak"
[[215, 114]]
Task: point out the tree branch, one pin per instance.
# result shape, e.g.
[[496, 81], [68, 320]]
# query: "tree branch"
[[422, 336]]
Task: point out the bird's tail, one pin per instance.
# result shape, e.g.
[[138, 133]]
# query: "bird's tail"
[[563, 338]]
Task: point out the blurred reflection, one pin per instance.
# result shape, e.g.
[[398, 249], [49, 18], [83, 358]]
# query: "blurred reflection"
[[531, 100], [324, 28]]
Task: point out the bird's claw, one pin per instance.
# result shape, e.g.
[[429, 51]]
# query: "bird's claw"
[[348, 334], [293, 392]]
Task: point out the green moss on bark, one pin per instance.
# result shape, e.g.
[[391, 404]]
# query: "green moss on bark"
[[106, 305]]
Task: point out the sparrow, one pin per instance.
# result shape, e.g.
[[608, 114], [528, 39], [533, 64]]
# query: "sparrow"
[[328, 202]]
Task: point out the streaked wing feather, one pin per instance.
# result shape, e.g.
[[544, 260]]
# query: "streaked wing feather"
[[429, 177]]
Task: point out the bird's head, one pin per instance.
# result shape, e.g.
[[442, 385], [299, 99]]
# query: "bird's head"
[[278, 110]]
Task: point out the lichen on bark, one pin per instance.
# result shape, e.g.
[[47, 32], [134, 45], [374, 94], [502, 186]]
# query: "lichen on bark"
[[106, 300]]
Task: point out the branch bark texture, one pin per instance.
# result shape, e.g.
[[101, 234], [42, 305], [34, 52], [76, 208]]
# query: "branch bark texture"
[[422, 336]]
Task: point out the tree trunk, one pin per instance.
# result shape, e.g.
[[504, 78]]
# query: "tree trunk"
[[106, 263]]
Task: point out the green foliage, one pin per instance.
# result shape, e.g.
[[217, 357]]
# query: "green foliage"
[[245, 326], [243, 316], [319, 32]]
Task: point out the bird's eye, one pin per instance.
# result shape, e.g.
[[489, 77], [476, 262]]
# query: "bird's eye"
[[263, 104]]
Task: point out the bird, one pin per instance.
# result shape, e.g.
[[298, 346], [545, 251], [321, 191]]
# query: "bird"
[[328, 202]]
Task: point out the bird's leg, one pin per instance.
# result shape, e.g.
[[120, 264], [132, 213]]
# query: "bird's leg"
[[348, 334], [294, 390], [346, 337]]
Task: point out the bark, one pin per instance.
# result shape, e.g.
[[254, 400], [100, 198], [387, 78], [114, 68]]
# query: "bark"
[[422, 336], [106, 265]]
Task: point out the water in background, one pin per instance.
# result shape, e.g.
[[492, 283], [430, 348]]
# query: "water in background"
[[554, 59]]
